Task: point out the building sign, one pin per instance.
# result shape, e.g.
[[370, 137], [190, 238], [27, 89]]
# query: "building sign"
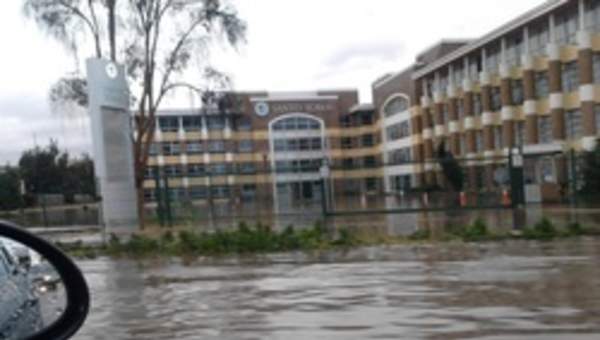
[[261, 109], [278, 108]]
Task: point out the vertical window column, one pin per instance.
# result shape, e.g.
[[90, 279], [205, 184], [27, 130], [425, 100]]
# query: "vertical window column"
[[508, 116], [557, 111], [586, 80], [454, 146], [428, 141], [530, 105]]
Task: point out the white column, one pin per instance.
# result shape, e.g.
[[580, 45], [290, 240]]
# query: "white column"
[[582, 15]]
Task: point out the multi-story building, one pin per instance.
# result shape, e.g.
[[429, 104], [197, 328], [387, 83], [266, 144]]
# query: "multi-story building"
[[531, 83], [268, 146]]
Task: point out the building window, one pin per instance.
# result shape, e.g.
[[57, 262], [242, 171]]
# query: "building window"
[[539, 37], [249, 190], [593, 16], [474, 67], [566, 27], [573, 127], [398, 131], [371, 184], [367, 140], [496, 98], [198, 192], [396, 105], [301, 144], [151, 172], [477, 106], [177, 194], [193, 147], [570, 77], [541, 85], [514, 49], [399, 156], [516, 87], [295, 166], [154, 149], [596, 66], [247, 168], [544, 129], [478, 141], [219, 169], [369, 162], [215, 122], [346, 143], [171, 148], [243, 124], [498, 140], [168, 124], [348, 163], [245, 146], [492, 59], [192, 123], [457, 75], [220, 191], [519, 133], [173, 170], [462, 144], [366, 118], [196, 170], [297, 123], [149, 196], [460, 108], [216, 146], [547, 170], [444, 114]]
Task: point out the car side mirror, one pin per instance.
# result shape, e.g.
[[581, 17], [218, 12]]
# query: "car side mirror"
[[26, 310]]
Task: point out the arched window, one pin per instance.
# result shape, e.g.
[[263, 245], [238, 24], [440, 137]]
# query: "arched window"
[[395, 105], [297, 123]]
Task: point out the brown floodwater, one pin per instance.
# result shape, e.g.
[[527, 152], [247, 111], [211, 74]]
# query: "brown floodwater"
[[511, 290]]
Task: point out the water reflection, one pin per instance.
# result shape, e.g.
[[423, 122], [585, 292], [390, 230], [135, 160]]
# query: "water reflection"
[[513, 290]]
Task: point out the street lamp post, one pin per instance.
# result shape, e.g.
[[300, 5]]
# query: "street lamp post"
[[325, 172]]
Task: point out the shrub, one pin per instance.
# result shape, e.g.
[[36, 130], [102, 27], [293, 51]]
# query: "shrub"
[[476, 231], [543, 230], [420, 235]]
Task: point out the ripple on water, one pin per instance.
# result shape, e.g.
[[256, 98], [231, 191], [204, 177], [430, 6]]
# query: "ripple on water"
[[500, 292]]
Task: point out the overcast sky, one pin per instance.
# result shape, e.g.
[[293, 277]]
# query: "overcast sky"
[[292, 45]]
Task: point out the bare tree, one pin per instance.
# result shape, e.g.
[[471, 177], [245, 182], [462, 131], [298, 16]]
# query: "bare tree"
[[157, 41]]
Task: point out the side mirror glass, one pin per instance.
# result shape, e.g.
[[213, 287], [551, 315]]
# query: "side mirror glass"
[[43, 294]]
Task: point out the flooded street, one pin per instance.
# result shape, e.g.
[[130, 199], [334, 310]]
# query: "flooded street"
[[512, 290]]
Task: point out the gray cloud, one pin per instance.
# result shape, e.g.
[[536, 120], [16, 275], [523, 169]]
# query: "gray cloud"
[[26, 119], [360, 55]]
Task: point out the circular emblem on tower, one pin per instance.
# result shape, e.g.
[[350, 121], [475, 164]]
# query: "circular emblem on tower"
[[261, 109], [111, 70]]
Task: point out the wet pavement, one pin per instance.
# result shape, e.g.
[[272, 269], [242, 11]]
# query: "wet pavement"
[[510, 290]]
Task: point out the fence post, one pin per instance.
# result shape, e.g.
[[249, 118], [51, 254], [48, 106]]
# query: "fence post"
[[168, 201], [573, 181], [159, 198]]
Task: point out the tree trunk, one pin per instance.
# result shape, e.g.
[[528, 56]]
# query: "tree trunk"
[[140, 204], [111, 29]]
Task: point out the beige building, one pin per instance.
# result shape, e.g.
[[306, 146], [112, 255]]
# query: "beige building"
[[531, 83], [268, 145]]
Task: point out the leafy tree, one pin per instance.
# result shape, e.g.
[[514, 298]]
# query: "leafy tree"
[[43, 169], [450, 167], [590, 171], [9, 188], [79, 178], [157, 41], [48, 170]]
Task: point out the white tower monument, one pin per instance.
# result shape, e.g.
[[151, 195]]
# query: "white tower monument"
[[112, 145]]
